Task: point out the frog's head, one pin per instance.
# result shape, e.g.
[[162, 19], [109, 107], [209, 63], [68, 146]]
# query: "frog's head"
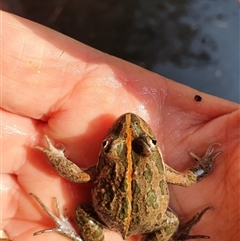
[[130, 133]]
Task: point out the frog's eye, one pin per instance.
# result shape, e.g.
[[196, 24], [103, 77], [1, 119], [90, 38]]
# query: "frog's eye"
[[106, 144], [141, 147], [137, 146]]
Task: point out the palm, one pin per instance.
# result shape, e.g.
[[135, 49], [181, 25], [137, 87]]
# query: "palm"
[[77, 106]]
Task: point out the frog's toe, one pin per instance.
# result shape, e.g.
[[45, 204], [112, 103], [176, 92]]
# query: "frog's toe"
[[204, 164], [184, 229], [63, 226], [208, 155]]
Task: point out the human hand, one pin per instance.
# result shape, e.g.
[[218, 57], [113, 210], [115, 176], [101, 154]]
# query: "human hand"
[[54, 85]]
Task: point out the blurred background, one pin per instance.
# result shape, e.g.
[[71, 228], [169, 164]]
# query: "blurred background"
[[192, 42]]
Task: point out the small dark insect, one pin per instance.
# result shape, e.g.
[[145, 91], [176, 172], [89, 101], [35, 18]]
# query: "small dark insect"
[[197, 98]]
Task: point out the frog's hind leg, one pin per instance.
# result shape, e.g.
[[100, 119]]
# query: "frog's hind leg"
[[168, 226], [183, 230], [62, 225], [88, 223]]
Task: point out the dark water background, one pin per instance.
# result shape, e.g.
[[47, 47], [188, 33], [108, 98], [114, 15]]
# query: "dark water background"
[[192, 42]]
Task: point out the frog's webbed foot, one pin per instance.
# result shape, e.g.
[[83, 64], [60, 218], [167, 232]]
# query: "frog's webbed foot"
[[62, 164], [63, 226], [205, 163], [184, 229]]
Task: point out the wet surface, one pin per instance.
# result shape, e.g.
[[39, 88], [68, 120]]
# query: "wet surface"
[[192, 42]]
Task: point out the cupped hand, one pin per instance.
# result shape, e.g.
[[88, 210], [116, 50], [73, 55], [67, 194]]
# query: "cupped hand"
[[54, 85]]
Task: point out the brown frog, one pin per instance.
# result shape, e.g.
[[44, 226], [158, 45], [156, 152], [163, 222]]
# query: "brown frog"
[[130, 187]]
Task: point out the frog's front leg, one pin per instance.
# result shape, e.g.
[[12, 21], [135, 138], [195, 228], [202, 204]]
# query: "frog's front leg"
[[196, 173], [64, 166]]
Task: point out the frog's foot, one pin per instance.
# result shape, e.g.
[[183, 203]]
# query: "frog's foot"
[[183, 230], [62, 164], [63, 226], [205, 163]]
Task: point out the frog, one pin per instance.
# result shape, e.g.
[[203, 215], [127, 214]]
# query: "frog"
[[130, 193]]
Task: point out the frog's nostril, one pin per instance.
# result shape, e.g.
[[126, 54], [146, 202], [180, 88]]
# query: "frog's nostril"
[[154, 142]]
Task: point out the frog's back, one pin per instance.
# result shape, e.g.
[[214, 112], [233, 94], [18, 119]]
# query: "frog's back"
[[130, 191]]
